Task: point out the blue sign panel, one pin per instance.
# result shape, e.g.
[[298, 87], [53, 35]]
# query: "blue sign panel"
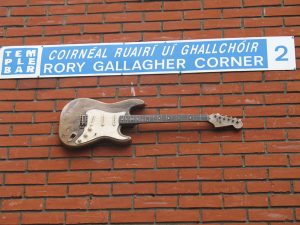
[[243, 54]]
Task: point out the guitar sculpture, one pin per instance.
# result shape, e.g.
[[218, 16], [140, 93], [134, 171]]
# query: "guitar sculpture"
[[84, 121]]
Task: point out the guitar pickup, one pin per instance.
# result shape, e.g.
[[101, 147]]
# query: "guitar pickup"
[[83, 120]]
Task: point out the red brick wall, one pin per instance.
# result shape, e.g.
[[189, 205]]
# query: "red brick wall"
[[172, 173]]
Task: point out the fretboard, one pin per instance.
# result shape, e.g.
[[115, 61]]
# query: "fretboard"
[[138, 119]]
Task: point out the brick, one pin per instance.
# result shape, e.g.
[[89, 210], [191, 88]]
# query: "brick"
[[44, 165], [118, 80], [31, 129], [29, 178], [244, 12], [143, 6], [90, 164], [133, 189], [177, 162], [26, 11], [196, 149], [45, 191], [266, 160], [155, 201], [101, 28], [182, 5], [294, 160], [156, 175], [105, 8], [119, 217], [220, 88], [123, 18], [197, 174], [11, 192], [20, 153], [292, 21], [203, 34], [26, 31], [172, 137], [45, 21], [293, 134], [208, 201], [169, 188], [245, 174], [66, 203], [268, 186], [17, 95], [27, 106], [162, 16], [219, 24], [82, 19], [49, 2], [55, 94], [263, 22], [221, 4], [87, 217], [66, 9], [43, 218], [177, 216], [15, 117], [181, 25], [123, 37], [135, 163], [223, 187], [277, 110], [199, 101], [96, 92], [60, 30], [245, 76], [213, 136], [84, 39], [270, 214], [285, 200], [12, 165], [237, 33], [9, 218], [43, 140], [243, 148], [138, 91], [68, 177], [220, 161], [249, 99], [284, 173], [8, 84], [283, 122], [264, 87], [257, 135], [142, 26], [111, 203], [261, 2], [22, 204], [245, 201], [13, 141], [282, 11], [283, 147], [11, 21], [165, 36], [224, 215], [78, 82], [89, 189], [182, 90], [112, 176], [204, 14]]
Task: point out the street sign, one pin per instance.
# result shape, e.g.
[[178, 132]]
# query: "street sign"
[[186, 56]]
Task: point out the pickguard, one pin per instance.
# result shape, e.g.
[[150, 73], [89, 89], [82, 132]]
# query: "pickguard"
[[101, 124]]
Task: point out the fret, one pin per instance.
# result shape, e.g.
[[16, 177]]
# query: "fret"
[[161, 118]]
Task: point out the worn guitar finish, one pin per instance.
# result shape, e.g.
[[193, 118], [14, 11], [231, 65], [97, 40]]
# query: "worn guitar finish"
[[84, 121]]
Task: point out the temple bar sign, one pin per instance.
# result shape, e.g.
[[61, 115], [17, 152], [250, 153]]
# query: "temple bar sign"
[[186, 56]]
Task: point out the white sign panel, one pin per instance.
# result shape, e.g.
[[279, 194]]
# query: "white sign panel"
[[187, 56]]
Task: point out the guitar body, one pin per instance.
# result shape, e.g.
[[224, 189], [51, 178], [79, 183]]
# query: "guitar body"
[[84, 121]]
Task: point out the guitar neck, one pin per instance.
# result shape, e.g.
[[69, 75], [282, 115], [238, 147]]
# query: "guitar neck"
[[139, 119]]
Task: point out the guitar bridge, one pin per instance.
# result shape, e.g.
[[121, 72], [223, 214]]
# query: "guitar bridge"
[[83, 121]]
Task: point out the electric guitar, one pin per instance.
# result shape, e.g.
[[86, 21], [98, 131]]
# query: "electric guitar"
[[84, 121]]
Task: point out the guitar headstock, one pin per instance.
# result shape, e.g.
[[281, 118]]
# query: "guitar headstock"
[[219, 120]]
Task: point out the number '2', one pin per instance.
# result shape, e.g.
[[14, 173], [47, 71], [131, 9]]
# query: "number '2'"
[[282, 51]]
